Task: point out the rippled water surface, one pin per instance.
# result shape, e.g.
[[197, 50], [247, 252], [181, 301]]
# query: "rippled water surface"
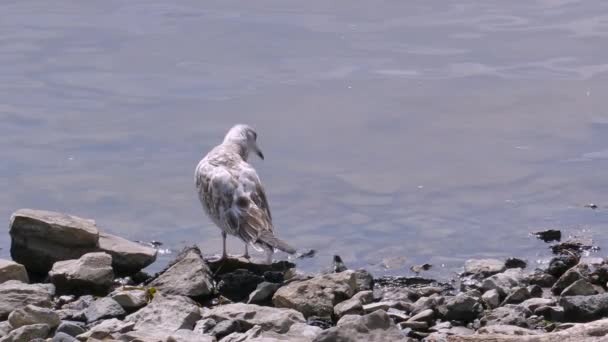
[[402, 131]]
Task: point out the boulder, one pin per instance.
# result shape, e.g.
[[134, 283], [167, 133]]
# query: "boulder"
[[491, 298], [185, 335], [263, 293], [41, 238], [91, 273], [63, 337], [423, 316], [10, 270], [483, 267], [364, 280], [351, 306], [130, 299], [166, 312], [585, 308], [32, 314], [560, 264], [249, 315], [188, 275], [541, 278], [103, 308], [503, 282], [108, 329], [239, 284], [317, 296], [515, 263], [70, 328], [15, 294], [570, 276], [27, 333], [298, 332], [127, 257], [580, 287], [461, 307], [507, 315], [424, 303], [517, 295], [376, 326], [5, 328], [535, 303], [506, 330]]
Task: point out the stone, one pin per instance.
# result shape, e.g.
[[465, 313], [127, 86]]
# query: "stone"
[[461, 307], [188, 275], [91, 273], [491, 298], [580, 287], [365, 297], [10, 270], [40, 238], [549, 235], [185, 335], [534, 303], [510, 330], [364, 280], [535, 291], [560, 264], [414, 325], [376, 326], [507, 315], [15, 294], [204, 325], [239, 284], [351, 306], [5, 328], [263, 293], [515, 263], [63, 337], [127, 257], [32, 314], [503, 282], [483, 267], [106, 329], [27, 333], [317, 296], [585, 308], [103, 308], [298, 332], [573, 245], [225, 328], [385, 305], [166, 312], [570, 276], [424, 303], [551, 313], [541, 278], [70, 328], [517, 295], [397, 315], [130, 299], [249, 315], [423, 316]]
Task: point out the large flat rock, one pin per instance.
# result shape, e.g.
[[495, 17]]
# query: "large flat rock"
[[127, 257]]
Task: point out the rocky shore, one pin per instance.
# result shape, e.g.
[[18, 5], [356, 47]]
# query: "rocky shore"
[[68, 281]]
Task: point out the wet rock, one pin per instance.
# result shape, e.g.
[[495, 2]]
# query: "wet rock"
[[317, 296], [549, 235], [507, 315], [515, 263], [599, 275], [535, 291], [517, 295], [461, 307], [580, 287], [503, 282], [10, 270], [541, 278], [130, 299], [364, 280], [92, 273], [70, 328], [166, 312], [423, 316], [28, 333], [338, 264], [509, 330], [63, 337], [263, 293], [103, 308], [249, 315], [32, 314], [571, 275], [323, 323], [560, 264], [585, 308], [483, 267], [551, 313], [188, 275], [238, 285], [41, 238], [533, 303], [491, 298], [351, 306], [574, 245], [127, 257], [376, 326], [219, 267], [15, 294]]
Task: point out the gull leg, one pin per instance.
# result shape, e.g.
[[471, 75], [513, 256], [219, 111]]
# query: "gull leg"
[[269, 253], [246, 255], [224, 255]]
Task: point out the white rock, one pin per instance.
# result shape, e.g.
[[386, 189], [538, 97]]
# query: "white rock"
[[91, 273], [166, 312], [10, 270], [32, 314], [15, 294]]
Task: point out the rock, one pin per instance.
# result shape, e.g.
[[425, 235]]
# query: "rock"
[[188, 275], [263, 293], [249, 315], [507, 315], [535, 291], [92, 273], [384, 305], [504, 281], [131, 299], [338, 265], [239, 284], [541, 278], [219, 267], [585, 308], [70, 328], [517, 295], [533, 303], [298, 332], [41, 238], [560, 264], [574, 245], [225, 328], [15, 294], [572, 275], [515, 263], [424, 303], [31, 314], [414, 325], [5, 328], [317, 296], [549, 235], [483, 267], [423, 316], [63, 337], [397, 315], [510, 330], [351, 306], [365, 297], [127, 257], [166, 312], [185, 335], [551, 313], [580, 287], [103, 308], [27, 333], [10, 270], [376, 326], [491, 298], [364, 280], [461, 307], [106, 330], [204, 325]]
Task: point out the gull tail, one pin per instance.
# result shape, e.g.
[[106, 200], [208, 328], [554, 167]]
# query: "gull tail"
[[268, 238]]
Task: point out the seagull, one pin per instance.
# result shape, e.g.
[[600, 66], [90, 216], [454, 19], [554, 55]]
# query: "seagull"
[[233, 196]]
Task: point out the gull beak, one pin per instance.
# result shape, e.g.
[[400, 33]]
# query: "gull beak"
[[260, 154]]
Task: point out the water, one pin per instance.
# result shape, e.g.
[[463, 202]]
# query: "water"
[[414, 131]]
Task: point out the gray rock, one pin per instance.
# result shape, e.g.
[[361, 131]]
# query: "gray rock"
[[570, 276], [81, 303], [585, 308], [424, 303], [15, 294], [248, 315], [10, 270], [461, 307], [91, 273], [397, 315], [239, 284], [131, 299], [5, 328], [103, 308], [298, 332], [483, 267], [63, 337], [534, 303], [517, 295], [364, 280], [108, 329], [491, 298], [41, 238], [414, 325], [263, 293], [27, 333], [551, 313], [70, 328], [385, 305], [225, 328], [166, 312], [515, 263], [507, 315], [365, 297], [423, 316], [185, 335], [32, 314], [317, 296], [560, 264], [535, 291], [541, 278], [351, 306], [204, 325], [580, 287], [376, 326], [504, 281], [127, 257], [509, 330], [188, 275]]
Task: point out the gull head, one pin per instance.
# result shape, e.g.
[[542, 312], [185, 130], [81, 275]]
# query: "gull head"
[[246, 137]]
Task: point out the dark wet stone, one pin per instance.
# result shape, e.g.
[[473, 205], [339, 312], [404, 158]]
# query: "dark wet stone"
[[419, 268], [515, 263], [517, 295], [238, 285], [585, 308], [550, 313], [71, 328], [573, 274], [541, 279], [549, 235], [224, 328], [323, 323], [535, 291], [219, 267], [364, 280], [460, 308], [560, 264], [338, 264], [580, 287], [574, 245], [274, 276]]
